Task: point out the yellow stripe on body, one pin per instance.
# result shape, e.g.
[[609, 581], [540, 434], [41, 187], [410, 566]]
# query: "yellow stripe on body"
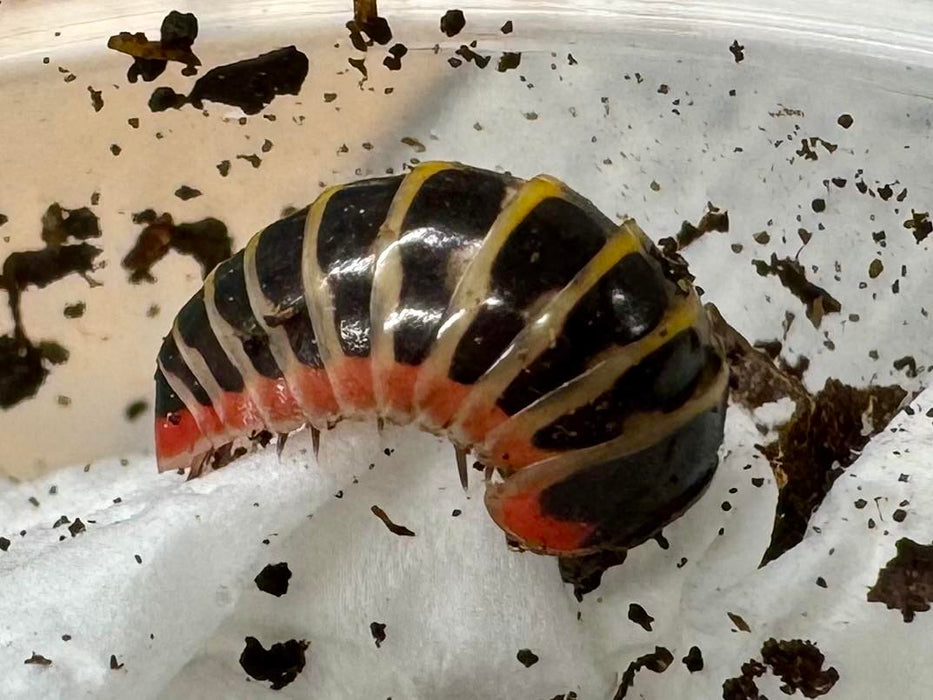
[[387, 280], [279, 345], [472, 288], [233, 349], [683, 314], [539, 333]]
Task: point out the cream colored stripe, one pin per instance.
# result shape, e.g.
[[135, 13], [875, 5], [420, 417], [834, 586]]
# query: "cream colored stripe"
[[192, 404], [642, 430], [319, 298], [539, 333], [279, 345], [232, 346], [473, 286], [581, 390], [198, 366], [387, 278]]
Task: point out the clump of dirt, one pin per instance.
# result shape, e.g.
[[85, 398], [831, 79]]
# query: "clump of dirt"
[[23, 363], [792, 276], [906, 582], [713, 220], [825, 434], [798, 663], [150, 58], [207, 241], [280, 664]]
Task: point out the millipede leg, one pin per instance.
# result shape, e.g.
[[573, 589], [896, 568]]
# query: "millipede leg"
[[488, 471], [315, 440], [196, 469], [462, 467], [280, 444]]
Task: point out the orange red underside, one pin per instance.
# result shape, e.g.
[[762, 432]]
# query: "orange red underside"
[[183, 438]]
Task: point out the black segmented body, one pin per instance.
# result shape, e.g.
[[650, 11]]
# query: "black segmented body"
[[508, 315]]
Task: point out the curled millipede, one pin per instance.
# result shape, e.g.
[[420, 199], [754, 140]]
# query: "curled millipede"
[[509, 316]]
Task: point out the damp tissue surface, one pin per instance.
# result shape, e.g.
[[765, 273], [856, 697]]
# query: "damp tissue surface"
[[781, 151]]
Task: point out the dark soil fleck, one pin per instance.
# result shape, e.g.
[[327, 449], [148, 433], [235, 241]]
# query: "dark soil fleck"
[[273, 579], [907, 362], [845, 120], [586, 573], [905, 583], [280, 664], [77, 527], [114, 664], [223, 167], [799, 665], [791, 273], [136, 409], [808, 147], [97, 101], [823, 437], [150, 58], [207, 241], [754, 379], [470, 56], [640, 616], [366, 18], [527, 657], [378, 630], [737, 50], [399, 530], [360, 65], [356, 36], [899, 515], [453, 22], [185, 193], [919, 224], [38, 660], [743, 687], [164, 98], [509, 60], [693, 660], [394, 60], [712, 220], [414, 143], [251, 158], [22, 368], [74, 310], [507, 27], [658, 661], [253, 83], [60, 224], [4, 544], [739, 622]]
